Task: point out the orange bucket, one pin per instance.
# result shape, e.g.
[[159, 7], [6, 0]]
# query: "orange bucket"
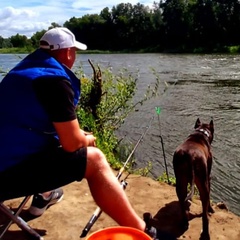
[[118, 233]]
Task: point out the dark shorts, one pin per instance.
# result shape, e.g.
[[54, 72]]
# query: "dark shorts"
[[43, 172]]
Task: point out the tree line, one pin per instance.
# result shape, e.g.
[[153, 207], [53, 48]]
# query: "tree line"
[[168, 26]]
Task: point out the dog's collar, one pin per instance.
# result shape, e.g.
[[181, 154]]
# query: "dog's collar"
[[205, 132]]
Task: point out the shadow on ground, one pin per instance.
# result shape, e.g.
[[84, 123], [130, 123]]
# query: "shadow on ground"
[[168, 221]]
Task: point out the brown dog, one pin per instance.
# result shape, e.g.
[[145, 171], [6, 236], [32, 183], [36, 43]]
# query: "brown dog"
[[192, 163]]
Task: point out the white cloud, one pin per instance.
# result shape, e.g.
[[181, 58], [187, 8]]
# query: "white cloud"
[[26, 17], [22, 21]]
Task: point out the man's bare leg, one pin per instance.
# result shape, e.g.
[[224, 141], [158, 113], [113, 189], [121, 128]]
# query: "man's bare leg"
[[107, 191]]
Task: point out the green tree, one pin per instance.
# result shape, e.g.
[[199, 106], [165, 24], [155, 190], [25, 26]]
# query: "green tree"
[[141, 27], [89, 29], [121, 16], [205, 25], [158, 34], [20, 41], [53, 25], [5, 42], [227, 15], [36, 38], [174, 13]]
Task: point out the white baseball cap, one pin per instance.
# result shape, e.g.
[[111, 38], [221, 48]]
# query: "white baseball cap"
[[59, 38]]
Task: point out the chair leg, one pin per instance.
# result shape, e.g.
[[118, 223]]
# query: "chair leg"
[[19, 209], [18, 220]]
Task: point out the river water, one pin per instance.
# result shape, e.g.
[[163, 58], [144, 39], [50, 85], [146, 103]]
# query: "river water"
[[204, 86]]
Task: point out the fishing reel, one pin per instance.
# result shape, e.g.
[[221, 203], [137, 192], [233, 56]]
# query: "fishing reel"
[[124, 183]]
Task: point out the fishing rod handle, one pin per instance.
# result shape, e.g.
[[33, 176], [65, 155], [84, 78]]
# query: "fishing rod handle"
[[90, 223], [96, 215]]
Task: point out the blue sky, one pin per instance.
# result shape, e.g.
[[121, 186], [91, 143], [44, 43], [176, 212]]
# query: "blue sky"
[[25, 17]]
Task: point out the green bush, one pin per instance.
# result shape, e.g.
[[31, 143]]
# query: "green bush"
[[234, 49], [117, 102]]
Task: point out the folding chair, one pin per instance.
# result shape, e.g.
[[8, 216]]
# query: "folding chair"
[[15, 218]]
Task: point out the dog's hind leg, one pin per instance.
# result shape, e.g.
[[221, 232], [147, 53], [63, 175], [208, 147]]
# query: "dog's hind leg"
[[181, 190], [181, 171], [204, 191]]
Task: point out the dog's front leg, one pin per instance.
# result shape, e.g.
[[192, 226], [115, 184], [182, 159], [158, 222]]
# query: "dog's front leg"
[[204, 191], [210, 209]]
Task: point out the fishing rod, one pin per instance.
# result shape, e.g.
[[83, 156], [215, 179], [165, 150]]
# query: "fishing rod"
[[123, 183], [158, 110]]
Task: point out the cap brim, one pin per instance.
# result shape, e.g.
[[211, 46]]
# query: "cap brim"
[[80, 46]]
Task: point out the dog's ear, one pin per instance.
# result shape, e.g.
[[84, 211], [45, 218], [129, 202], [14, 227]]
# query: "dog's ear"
[[211, 126], [197, 124]]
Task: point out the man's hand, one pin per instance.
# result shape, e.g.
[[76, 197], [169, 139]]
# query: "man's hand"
[[91, 140], [86, 133], [90, 137], [71, 137]]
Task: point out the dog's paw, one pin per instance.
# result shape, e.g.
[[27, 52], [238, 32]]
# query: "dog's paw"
[[184, 225], [210, 209], [204, 236]]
